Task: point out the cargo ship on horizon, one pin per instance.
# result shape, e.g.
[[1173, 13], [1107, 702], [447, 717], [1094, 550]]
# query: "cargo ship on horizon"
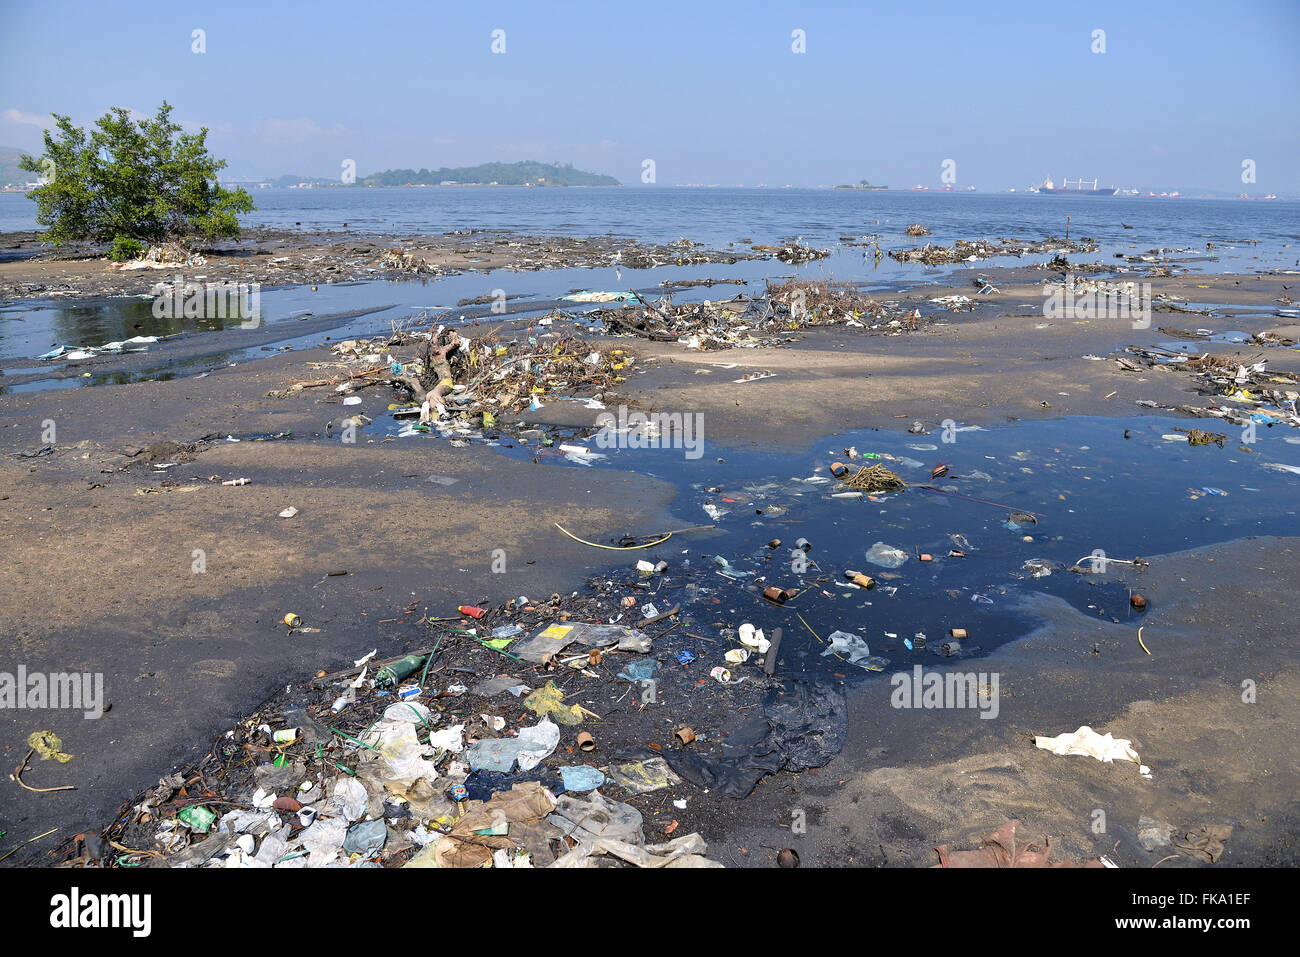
[[1065, 189]]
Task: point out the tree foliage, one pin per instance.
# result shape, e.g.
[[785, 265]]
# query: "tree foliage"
[[137, 179]]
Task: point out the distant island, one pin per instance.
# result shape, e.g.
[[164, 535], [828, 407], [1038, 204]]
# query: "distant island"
[[11, 175], [527, 173], [861, 184]]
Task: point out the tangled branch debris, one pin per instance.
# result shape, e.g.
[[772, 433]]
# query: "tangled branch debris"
[[794, 251], [398, 260], [765, 320], [1197, 437], [1257, 395], [872, 479], [452, 378], [972, 250]]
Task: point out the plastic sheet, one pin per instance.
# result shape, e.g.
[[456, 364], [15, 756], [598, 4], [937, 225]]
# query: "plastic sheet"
[[804, 724], [532, 745]]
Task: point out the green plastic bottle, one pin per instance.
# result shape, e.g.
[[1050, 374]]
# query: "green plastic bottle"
[[389, 675]]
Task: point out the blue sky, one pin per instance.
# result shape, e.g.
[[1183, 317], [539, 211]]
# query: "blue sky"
[[712, 92]]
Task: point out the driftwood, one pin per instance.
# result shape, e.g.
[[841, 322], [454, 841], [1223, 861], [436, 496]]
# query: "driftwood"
[[635, 327], [316, 383], [647, 622], [437, 380]]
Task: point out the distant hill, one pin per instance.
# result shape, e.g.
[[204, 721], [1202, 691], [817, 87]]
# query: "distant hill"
[[293, 179], [527, 173], [10, 174]]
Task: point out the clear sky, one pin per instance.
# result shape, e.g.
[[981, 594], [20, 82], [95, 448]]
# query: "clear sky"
[[712, 92]]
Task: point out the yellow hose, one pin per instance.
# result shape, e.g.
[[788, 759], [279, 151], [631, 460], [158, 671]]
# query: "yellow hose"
[[613, 548]]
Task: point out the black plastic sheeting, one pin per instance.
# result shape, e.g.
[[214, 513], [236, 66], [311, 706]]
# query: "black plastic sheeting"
[[803, 725], [481, 784]]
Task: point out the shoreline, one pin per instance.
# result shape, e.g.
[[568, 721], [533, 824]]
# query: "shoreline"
[[275, 257]]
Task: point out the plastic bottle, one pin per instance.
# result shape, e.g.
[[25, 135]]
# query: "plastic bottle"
[[389, 675]]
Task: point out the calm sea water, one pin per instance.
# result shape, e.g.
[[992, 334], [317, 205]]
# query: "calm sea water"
[[1245, 237], [721, 216]]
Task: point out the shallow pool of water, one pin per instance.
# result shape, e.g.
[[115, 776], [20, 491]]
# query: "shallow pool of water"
[[1084, 490]]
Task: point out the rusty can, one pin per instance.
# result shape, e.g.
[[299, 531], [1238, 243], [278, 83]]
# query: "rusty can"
[[684, 736], [585, 741], [861, 580], [1138, 602]]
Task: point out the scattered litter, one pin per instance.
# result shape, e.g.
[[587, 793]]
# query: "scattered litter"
[[886, 556], [1002, 848], [1088, 742]]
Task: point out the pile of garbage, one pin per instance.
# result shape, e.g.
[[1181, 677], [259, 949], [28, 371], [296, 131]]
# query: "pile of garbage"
[[1112, 297], [683, 252], [873, 478], [167, 255], [455, 381], [974, 250], [568, 732], [812, 302], [773, 318], [551, 252], [1250, 393], [1059, 263], [793, 251], [1161, 259], [557, 252], [796, 252], [398, 260], [1268, 337]]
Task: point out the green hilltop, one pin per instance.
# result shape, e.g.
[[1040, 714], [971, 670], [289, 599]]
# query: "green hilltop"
[[526, 173], [10, 174]]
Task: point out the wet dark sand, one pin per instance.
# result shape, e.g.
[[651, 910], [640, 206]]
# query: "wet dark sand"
[[910, 779]]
